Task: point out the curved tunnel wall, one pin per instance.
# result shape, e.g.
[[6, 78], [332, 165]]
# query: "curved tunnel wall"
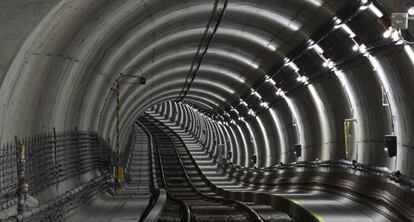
[[297, 59]]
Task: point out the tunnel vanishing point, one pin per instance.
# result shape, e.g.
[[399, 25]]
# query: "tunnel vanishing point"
[[206, 110]]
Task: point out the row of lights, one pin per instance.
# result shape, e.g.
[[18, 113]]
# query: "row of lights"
[[327, 62], [390, 33]]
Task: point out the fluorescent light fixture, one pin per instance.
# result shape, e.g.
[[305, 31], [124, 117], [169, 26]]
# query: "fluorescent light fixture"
[[302, 79], [362, 48], [395, 36], [388, 33], [293, 66], [328, 64], [375, 10], [270, 80], [355, 47], [255, 93], [242, 102], [232, 121], [337, 21], [241, 118], [280, 92], [411, 11], [310, 43], [318, 49], [251, 112], [264, 104], [348, 30]]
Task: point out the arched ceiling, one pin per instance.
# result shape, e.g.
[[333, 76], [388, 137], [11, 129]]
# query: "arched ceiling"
[[63, 74]]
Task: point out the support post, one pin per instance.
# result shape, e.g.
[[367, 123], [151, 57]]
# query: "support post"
[[23, 188], [119, 170]]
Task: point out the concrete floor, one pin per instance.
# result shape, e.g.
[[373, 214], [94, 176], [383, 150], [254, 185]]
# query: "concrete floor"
[[107, 208]]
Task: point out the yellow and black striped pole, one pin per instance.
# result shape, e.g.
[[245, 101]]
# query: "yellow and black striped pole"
[[119, 170], [117, 122]]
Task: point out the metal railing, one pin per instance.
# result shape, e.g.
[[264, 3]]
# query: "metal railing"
[[32, 164]]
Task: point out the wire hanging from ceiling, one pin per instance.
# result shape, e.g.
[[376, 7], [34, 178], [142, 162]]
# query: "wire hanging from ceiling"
[[205, 41]]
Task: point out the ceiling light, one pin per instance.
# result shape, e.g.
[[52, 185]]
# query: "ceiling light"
[[270, 80], [355, 47], [318, 49], [362, 48], [399, 42], [395, 36], [256, 94], [251, 112], [310, 43], [328, 64], [387, 34], [302, 79], [411, 11], [280, 92], [264, 104], [243, 102], [293, 66], [337, 21], [375, 10], [348, 30]]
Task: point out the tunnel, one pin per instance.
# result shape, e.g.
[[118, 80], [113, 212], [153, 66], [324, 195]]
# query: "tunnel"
[[206, 110]]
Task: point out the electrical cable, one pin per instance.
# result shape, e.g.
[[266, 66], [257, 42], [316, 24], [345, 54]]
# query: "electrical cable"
[[403, 39], [180, 97], [192, 74]]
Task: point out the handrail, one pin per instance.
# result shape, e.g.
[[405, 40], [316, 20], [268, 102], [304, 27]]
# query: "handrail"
[[254, 216], [186, 209]]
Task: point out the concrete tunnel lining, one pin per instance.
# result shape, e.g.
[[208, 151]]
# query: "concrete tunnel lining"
[[62, 74]]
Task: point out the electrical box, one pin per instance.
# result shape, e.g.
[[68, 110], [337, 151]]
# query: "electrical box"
[[298, 150], [391, 145], [142, 80], [254, 159], [399, 20], [229, 154], [220, 152], [350, 128]]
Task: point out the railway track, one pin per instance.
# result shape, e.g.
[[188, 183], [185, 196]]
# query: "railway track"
[[189, 196]]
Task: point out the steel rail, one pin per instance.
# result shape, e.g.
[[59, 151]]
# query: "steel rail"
[[185, 208], [253, 215]]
